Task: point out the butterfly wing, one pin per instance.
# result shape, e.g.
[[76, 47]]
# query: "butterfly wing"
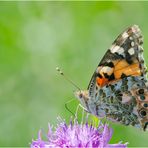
[[124, 58], [122, 72]]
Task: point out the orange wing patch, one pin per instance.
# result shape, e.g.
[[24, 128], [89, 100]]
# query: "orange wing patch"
[[107, 74], [122, 67], [101, 81]]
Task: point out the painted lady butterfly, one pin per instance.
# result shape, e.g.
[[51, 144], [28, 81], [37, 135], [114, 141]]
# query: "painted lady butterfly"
[[118, 89]]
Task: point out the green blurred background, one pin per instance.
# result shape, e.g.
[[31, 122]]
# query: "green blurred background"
[[35, 38]]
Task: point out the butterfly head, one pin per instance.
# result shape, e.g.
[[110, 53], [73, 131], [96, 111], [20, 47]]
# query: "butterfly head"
[[82, 96]]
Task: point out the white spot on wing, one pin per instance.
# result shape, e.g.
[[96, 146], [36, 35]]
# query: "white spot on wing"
[[106, 69], [132, 44], [98, 69], [131, 51], [117, 49], [125, 35]]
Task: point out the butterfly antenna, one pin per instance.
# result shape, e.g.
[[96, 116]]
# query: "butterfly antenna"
[[66, 78], [66, 106]]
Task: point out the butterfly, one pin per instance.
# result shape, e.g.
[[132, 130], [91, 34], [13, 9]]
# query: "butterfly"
[[118, 89]]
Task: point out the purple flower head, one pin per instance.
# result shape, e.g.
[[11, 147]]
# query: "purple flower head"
[[77, 135]]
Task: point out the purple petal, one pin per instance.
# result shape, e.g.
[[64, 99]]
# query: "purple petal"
[[116, 146], [77, 135], [39, 143]]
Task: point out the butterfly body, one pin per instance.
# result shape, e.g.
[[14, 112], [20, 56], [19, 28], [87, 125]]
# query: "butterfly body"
[[118, 89]]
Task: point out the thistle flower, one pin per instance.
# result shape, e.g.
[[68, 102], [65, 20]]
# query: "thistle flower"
[[77, 135]]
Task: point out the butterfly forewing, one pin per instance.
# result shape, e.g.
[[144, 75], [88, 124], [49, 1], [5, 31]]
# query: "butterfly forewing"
[[123, 58]]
